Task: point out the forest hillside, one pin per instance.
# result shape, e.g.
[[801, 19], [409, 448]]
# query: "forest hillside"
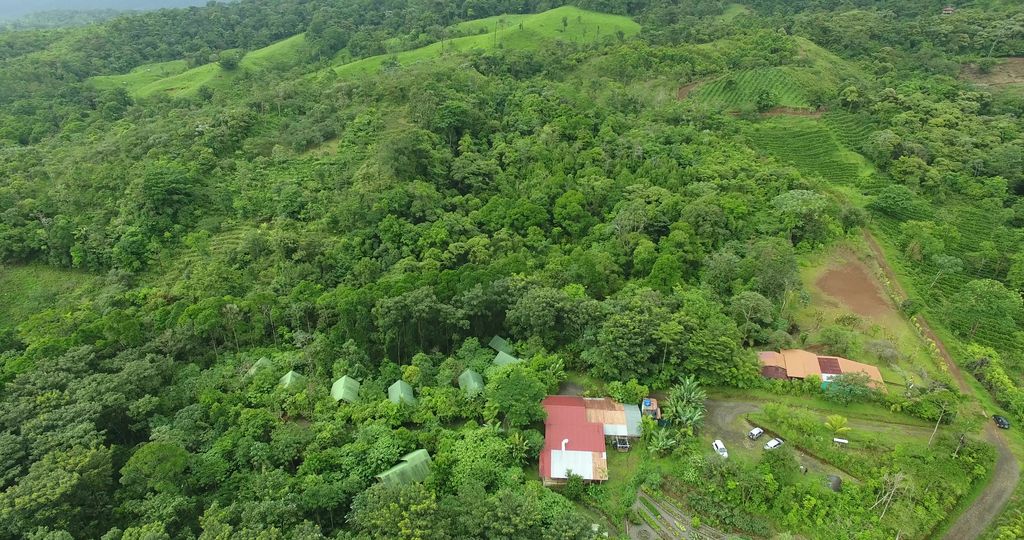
[[312, 269]]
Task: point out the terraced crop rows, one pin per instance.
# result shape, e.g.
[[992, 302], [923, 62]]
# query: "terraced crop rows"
[[811, 148], [850, 129], [741, 89], [938, 289]]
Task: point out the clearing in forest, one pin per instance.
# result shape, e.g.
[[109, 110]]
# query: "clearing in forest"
[[798, 86], [173, 77], [1009, 72], [850, 314], [523, 32], [27, 290]]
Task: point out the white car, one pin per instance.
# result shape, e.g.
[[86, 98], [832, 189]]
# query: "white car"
[[773, 444], [755, 433], [719, 447]]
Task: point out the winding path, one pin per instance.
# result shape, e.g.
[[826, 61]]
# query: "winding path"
[[977, 517]]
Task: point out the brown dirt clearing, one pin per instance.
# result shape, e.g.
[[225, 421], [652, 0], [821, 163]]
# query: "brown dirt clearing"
[[1008, 71], [685, 90], [850, 282]]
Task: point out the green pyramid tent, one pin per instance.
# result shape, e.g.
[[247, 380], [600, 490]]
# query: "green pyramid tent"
[[401, 392], [504, 359], [415, 467], [345, 388], [292, 380], [471, 382], [499, 344], [258, 365]]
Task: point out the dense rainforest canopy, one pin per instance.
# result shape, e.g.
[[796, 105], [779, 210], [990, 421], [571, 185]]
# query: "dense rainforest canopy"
[[374, 189]]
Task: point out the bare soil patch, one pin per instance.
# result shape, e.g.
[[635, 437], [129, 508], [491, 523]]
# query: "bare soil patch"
[[685, 90], [1008, 71], [850, 282]]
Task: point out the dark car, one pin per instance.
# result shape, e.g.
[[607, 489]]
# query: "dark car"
[[1001, 421]]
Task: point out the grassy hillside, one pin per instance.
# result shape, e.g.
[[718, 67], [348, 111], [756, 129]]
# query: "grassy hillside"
[[512, 32], [25, 290], [140, 76], [173, 78], [507, 31]]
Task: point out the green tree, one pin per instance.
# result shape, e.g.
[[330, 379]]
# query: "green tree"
[[630, 391], [513, 395], [65, 490], [765, 100], [158, 466]]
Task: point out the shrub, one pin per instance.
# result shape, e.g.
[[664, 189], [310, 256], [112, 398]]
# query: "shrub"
[[574, 488]]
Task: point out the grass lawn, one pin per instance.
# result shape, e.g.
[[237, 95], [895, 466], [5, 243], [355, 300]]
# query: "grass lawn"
[[26, 290], [863, 411]]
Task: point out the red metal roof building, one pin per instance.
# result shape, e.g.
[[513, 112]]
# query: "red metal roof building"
[[571, 442]]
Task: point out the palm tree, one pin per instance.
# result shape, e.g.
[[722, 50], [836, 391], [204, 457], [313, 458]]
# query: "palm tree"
[[837, 424]]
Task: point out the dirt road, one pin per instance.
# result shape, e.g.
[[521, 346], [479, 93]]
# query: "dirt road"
[[990, 503]]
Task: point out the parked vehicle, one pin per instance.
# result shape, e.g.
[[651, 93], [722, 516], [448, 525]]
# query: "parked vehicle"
[[755, 433], [773, 444], [1001, 421], [719, 447]]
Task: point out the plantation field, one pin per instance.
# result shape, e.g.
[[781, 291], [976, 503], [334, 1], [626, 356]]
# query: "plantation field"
[[146, 80], [811, 147], [741, 89], [795, 86], [26, 290], [522, 32]]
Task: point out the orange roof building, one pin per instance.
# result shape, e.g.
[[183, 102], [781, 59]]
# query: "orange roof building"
[[799, 364]]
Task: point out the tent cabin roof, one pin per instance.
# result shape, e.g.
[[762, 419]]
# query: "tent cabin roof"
[[292, 379], [263, 362], [414, 467], [401, 392], [345, 388], [471, 382], [504, 359], [499, 344]]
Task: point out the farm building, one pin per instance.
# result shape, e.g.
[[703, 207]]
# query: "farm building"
[[401, 392], [263, 362], [471, 382], [415, 467], [345, 388], [574, 436], [799, 364], [292, 380], [499, 344], [504, 359]]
